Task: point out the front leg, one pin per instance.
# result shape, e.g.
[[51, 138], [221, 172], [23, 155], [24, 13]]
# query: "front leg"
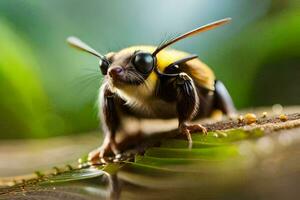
[[187, 105], [110, 123], [181, 89]]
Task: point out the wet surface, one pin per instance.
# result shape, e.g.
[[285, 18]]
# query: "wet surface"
[[248, 163]]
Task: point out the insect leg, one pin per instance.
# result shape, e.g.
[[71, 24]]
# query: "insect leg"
[[110, 123], [187, 105]]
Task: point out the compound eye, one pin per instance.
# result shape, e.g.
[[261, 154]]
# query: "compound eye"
[[104, 65], [143, 62]]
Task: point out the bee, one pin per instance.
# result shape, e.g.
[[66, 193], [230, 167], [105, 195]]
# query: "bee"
[[155, 82]]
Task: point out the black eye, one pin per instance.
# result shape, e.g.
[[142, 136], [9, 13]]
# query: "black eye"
[[143, 62], [103, 64]]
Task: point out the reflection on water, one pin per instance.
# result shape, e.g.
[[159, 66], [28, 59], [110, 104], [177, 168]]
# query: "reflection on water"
[[266, 168]]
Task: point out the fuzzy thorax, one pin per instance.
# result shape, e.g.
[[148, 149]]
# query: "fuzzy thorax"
[[137, 96]]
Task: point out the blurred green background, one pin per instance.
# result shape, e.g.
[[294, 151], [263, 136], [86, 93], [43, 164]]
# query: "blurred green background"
[[48, 89]]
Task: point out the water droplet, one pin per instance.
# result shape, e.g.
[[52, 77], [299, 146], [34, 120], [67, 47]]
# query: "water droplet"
[[240, 119], [264, 114], [118, 156], [283, 117], [250, 118]]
